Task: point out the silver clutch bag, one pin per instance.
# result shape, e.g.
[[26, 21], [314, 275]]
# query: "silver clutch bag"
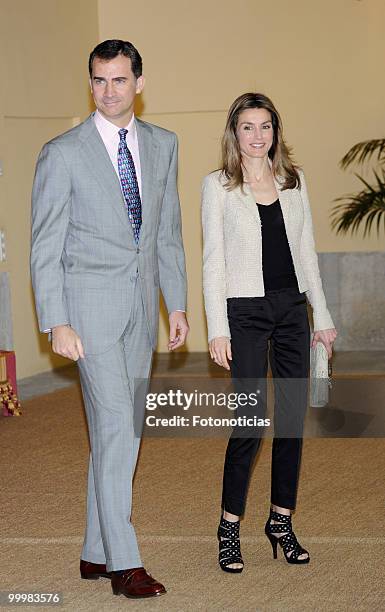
[[320, 376]]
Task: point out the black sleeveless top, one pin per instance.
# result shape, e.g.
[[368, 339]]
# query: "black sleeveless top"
[[277, 262]]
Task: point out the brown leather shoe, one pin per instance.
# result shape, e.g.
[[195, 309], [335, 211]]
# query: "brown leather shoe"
[[93, 571], [135, 583]]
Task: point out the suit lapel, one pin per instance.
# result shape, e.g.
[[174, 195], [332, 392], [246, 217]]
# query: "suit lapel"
[[99, 163], [148, 153]]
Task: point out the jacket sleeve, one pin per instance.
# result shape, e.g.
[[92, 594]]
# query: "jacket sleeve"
[[51, 199], [171, 257], [214, 263], [309, 259]]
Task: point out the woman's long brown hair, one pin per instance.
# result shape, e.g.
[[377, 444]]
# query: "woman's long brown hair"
[[280, 154]]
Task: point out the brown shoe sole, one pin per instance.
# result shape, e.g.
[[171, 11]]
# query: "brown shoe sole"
[[94, 576], [118, 592]]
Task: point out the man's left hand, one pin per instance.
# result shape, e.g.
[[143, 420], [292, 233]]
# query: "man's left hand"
[[179, 329]]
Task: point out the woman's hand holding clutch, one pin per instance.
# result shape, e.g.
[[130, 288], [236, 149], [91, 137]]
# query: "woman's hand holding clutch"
[[327, 337], [220, 351]]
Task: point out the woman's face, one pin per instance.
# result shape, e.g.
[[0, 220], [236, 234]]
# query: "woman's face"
[[254, 132]]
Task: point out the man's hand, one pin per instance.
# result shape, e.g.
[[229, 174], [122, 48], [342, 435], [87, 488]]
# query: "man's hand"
[[66, 342], [220, 351], [179, 329], [327, 337]]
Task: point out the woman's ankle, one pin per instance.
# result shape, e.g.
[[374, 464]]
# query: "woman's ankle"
[[281, 510], [232, 518]]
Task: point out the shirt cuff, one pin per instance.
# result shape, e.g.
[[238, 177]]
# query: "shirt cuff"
[[49, 331]]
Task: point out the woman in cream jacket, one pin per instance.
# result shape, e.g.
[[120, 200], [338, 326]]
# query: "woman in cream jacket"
[[259, 266]]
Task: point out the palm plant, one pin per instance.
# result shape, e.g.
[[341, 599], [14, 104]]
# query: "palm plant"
[[368, 205]]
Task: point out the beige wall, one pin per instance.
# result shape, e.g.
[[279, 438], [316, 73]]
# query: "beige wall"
[[44, 48], [321, 62]]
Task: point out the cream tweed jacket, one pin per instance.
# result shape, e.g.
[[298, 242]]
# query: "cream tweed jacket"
[[232, 249]]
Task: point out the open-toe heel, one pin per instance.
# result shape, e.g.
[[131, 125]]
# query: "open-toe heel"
[[292, 550], [229, 546]]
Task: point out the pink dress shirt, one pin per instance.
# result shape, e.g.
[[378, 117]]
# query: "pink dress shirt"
[[110, 135]]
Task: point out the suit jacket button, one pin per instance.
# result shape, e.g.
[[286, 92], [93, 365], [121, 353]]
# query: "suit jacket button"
[[137, 250]]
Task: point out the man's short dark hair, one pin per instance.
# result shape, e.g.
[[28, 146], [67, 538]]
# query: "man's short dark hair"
[[109, 49]]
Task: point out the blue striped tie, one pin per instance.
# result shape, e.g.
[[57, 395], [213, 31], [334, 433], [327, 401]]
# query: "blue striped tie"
[[129, 184]]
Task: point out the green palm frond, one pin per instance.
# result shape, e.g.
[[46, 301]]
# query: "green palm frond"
[[362, 151], [368, 205]]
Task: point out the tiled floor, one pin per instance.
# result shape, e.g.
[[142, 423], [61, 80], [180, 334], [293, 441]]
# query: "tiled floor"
[[353, 363]]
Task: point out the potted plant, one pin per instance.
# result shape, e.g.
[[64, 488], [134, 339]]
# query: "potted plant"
[[368, 206]]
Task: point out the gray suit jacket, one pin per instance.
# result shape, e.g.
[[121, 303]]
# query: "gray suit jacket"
[[83, 255]]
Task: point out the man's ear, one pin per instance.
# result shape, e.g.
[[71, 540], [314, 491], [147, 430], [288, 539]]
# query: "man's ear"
[[90, 83], [140, 81]]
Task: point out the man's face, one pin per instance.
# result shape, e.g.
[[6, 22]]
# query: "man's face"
[[114, 87]]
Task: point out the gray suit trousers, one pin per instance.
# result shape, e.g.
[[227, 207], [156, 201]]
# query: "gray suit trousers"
[[107, 381]]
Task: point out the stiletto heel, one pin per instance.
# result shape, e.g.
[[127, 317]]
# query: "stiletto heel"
[[273, 542], [288, 541], [229, 546]]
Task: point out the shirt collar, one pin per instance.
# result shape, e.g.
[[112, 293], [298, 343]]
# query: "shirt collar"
[[109, 130]]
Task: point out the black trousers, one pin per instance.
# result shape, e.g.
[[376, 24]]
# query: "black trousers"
[[276, 325]]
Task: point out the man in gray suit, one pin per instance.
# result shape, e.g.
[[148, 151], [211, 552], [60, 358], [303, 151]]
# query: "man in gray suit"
[[106, 235]]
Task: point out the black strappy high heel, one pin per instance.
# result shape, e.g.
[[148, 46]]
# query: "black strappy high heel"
[[229, 546], [288, 542]]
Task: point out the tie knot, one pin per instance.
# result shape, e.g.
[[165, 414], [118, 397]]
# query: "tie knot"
[[122, 133]]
